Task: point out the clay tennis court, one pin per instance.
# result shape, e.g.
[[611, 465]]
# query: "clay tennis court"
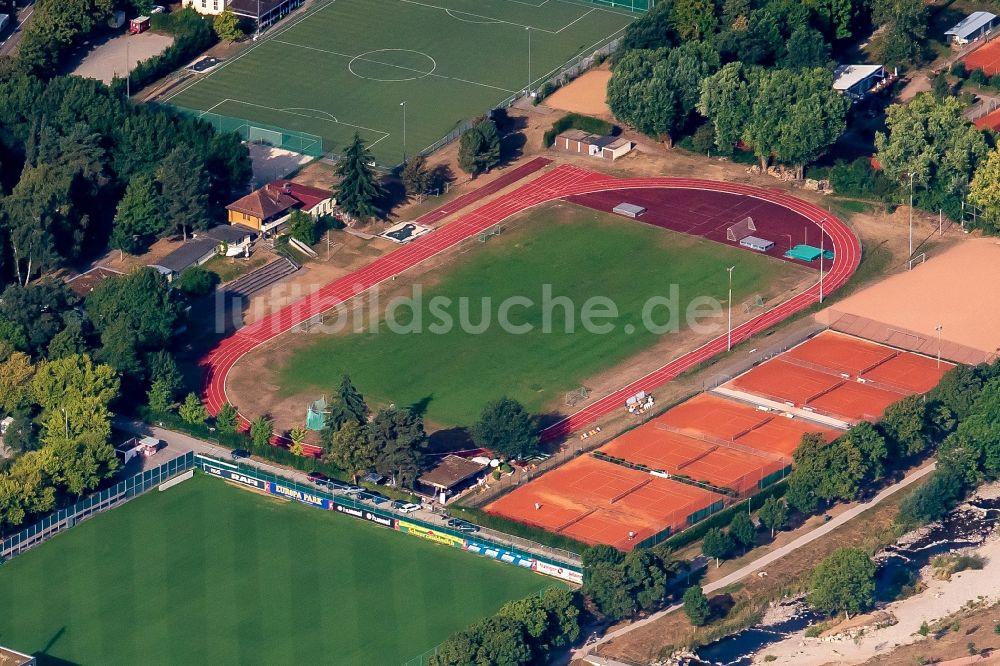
[[841, 376], [599, 502], [986, 58]]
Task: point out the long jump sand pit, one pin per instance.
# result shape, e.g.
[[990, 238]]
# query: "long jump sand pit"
[[955, 289], [586, 94]]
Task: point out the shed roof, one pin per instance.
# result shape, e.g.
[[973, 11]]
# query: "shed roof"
[[846, 77], [187, 255], [971, 24], [85, 282], [451, 471], [226, 233], [575, 135]]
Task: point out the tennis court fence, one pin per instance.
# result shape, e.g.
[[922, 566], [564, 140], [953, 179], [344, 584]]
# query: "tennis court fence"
[[106, 499]]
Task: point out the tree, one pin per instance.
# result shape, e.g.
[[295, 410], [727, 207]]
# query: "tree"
[[865, 452], [359, 187], [416, 176], [984, 190], [32, 315], [348, 405], [399, 439], [227, 26], [773, 514], [696, 605], [20, 436], [352, 450], [506, 428], [608, 587], [196, 281], [726, 101], [138, 217], [694, 19], [160, 396], [844, 582], [184, 190], [932, 500], [743, 530], [479, 148], [69, 341], [904, 426], [298, 437], [809, 474], [75, 380], [838, 16], [656, 91], [904, 23], [958, 390], [227, 420], [304, 227], [716, 544], [15, 381], [261, 431], [811, 117], [932, 140], [806, 49], [192, 410]]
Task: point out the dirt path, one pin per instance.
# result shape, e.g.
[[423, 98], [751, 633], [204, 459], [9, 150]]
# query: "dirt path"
[[940, 599], [770, 557]]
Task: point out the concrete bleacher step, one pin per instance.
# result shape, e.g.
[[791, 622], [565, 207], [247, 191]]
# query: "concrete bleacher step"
[[262, 278]]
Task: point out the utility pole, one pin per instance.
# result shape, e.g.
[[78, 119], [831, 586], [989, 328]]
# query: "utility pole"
[[822, 234], [938, 328], [910, 255], [729, 334], [403, 104]]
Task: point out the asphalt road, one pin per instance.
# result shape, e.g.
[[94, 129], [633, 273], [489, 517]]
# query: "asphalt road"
[[9, 46]]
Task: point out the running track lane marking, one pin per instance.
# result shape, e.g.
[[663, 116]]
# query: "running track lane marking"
[[562, 182]]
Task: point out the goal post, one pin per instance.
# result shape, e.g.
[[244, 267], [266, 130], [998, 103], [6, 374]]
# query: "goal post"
[[264, 136], [741, 230]]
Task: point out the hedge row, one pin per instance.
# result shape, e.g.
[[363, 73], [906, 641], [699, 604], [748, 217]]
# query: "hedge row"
[[192, 33], [514, 528]]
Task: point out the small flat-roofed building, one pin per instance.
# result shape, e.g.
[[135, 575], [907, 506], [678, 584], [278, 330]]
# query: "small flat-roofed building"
[[195, 252], [756, 243], [232, 240], [452, 475], [628, 210], [584, 143], [84, 283], [974, 26], [857, 81]]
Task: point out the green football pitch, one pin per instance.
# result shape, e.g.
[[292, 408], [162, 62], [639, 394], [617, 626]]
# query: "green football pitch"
[[346, 66], [208, 574], [581, 253]]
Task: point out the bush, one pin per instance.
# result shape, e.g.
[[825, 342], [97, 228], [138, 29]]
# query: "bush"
[[196, 281], [959, 70], [860, 179], [576, 121], [977, 77]]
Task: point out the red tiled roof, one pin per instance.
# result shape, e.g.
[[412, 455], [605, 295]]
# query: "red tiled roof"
[[308, 196], [263, 204]]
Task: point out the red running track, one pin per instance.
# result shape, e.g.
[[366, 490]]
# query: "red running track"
[[565, 181]]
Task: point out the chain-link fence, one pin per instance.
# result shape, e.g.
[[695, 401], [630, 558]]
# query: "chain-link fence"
[[254, 131], [108, 498]]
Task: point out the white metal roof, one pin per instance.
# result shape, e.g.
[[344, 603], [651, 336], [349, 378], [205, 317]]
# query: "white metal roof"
[[970, 24], [847, 76]]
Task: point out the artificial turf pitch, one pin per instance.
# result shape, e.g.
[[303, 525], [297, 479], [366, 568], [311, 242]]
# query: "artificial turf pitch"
[[345, 66], [208, 574], [581, 253]]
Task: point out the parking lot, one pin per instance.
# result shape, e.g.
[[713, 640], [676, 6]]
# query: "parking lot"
[[119, 55]]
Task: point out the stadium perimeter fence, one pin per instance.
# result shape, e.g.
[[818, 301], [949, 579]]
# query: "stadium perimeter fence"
[[253, 131], [362, 505], [106, 499]]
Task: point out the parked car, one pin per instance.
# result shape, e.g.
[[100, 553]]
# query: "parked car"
[[462, 525], [408, 507], [240, 454], [158, 9], [319, 478], [375, 498], [353, 490]]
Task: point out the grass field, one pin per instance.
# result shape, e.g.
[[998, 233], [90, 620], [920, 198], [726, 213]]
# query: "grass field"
[[581, 253], [208, 574], [345, 66]]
